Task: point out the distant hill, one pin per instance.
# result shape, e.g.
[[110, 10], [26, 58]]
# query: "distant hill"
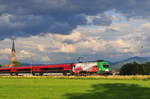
[[29, 64], [119, 64]]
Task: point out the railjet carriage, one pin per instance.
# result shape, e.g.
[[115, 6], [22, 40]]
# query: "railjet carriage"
[[84, 68]]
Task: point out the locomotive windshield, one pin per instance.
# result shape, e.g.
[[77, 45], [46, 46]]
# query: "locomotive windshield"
[[106, 66]]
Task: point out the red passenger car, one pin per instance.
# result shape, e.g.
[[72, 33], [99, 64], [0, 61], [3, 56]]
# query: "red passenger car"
[[39, 70]]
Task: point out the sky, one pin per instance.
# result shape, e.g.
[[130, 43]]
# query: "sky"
[[58, 31]]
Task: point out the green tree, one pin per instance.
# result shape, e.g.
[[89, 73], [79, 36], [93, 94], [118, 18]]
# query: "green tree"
[[146, 68], [17, 63], [129, 69], [0, 65], [135, 69]]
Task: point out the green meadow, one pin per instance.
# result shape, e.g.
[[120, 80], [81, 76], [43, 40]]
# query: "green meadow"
[[50, 88]]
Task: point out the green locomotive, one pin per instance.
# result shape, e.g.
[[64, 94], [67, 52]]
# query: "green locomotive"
[[97, 67]]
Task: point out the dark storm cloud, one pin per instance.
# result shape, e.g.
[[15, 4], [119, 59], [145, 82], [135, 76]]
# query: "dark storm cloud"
[[31, 17]]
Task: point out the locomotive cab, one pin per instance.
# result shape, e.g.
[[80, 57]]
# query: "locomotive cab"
[[103, 68]]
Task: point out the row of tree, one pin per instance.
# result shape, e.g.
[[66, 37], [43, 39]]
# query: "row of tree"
[[135, 69], [15, 64]]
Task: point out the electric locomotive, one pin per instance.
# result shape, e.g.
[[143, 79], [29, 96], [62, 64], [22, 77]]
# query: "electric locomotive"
[[98, 67]]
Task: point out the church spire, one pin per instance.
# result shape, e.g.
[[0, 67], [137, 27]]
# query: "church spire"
[[13, 46], [13, 53]]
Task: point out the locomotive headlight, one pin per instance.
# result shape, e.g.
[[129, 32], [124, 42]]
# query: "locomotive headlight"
[[106, 70]]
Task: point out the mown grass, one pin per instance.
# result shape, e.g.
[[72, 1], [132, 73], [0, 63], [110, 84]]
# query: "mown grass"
[[117, 77], [56, 88]]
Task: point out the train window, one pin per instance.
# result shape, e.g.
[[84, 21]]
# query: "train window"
[[106, 66], [6, 70], [23, 69], [95, 66], [53, 69]]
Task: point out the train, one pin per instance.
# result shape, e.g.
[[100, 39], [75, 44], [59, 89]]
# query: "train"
[[80, 68]]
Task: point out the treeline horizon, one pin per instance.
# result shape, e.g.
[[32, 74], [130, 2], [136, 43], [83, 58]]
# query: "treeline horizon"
[[135, 69]]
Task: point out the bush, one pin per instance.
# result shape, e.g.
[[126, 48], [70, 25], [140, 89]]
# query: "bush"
[[17, 63]]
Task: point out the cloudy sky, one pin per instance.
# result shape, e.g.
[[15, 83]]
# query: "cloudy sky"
[[56, 31]]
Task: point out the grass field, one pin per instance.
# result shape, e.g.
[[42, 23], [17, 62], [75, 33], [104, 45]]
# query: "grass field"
[[51, 88]]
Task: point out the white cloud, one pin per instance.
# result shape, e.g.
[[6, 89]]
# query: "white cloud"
[[25, 52], [41, 48], [67, 49], [146, 25], [46, 59], [74, 36], [5, 51]]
